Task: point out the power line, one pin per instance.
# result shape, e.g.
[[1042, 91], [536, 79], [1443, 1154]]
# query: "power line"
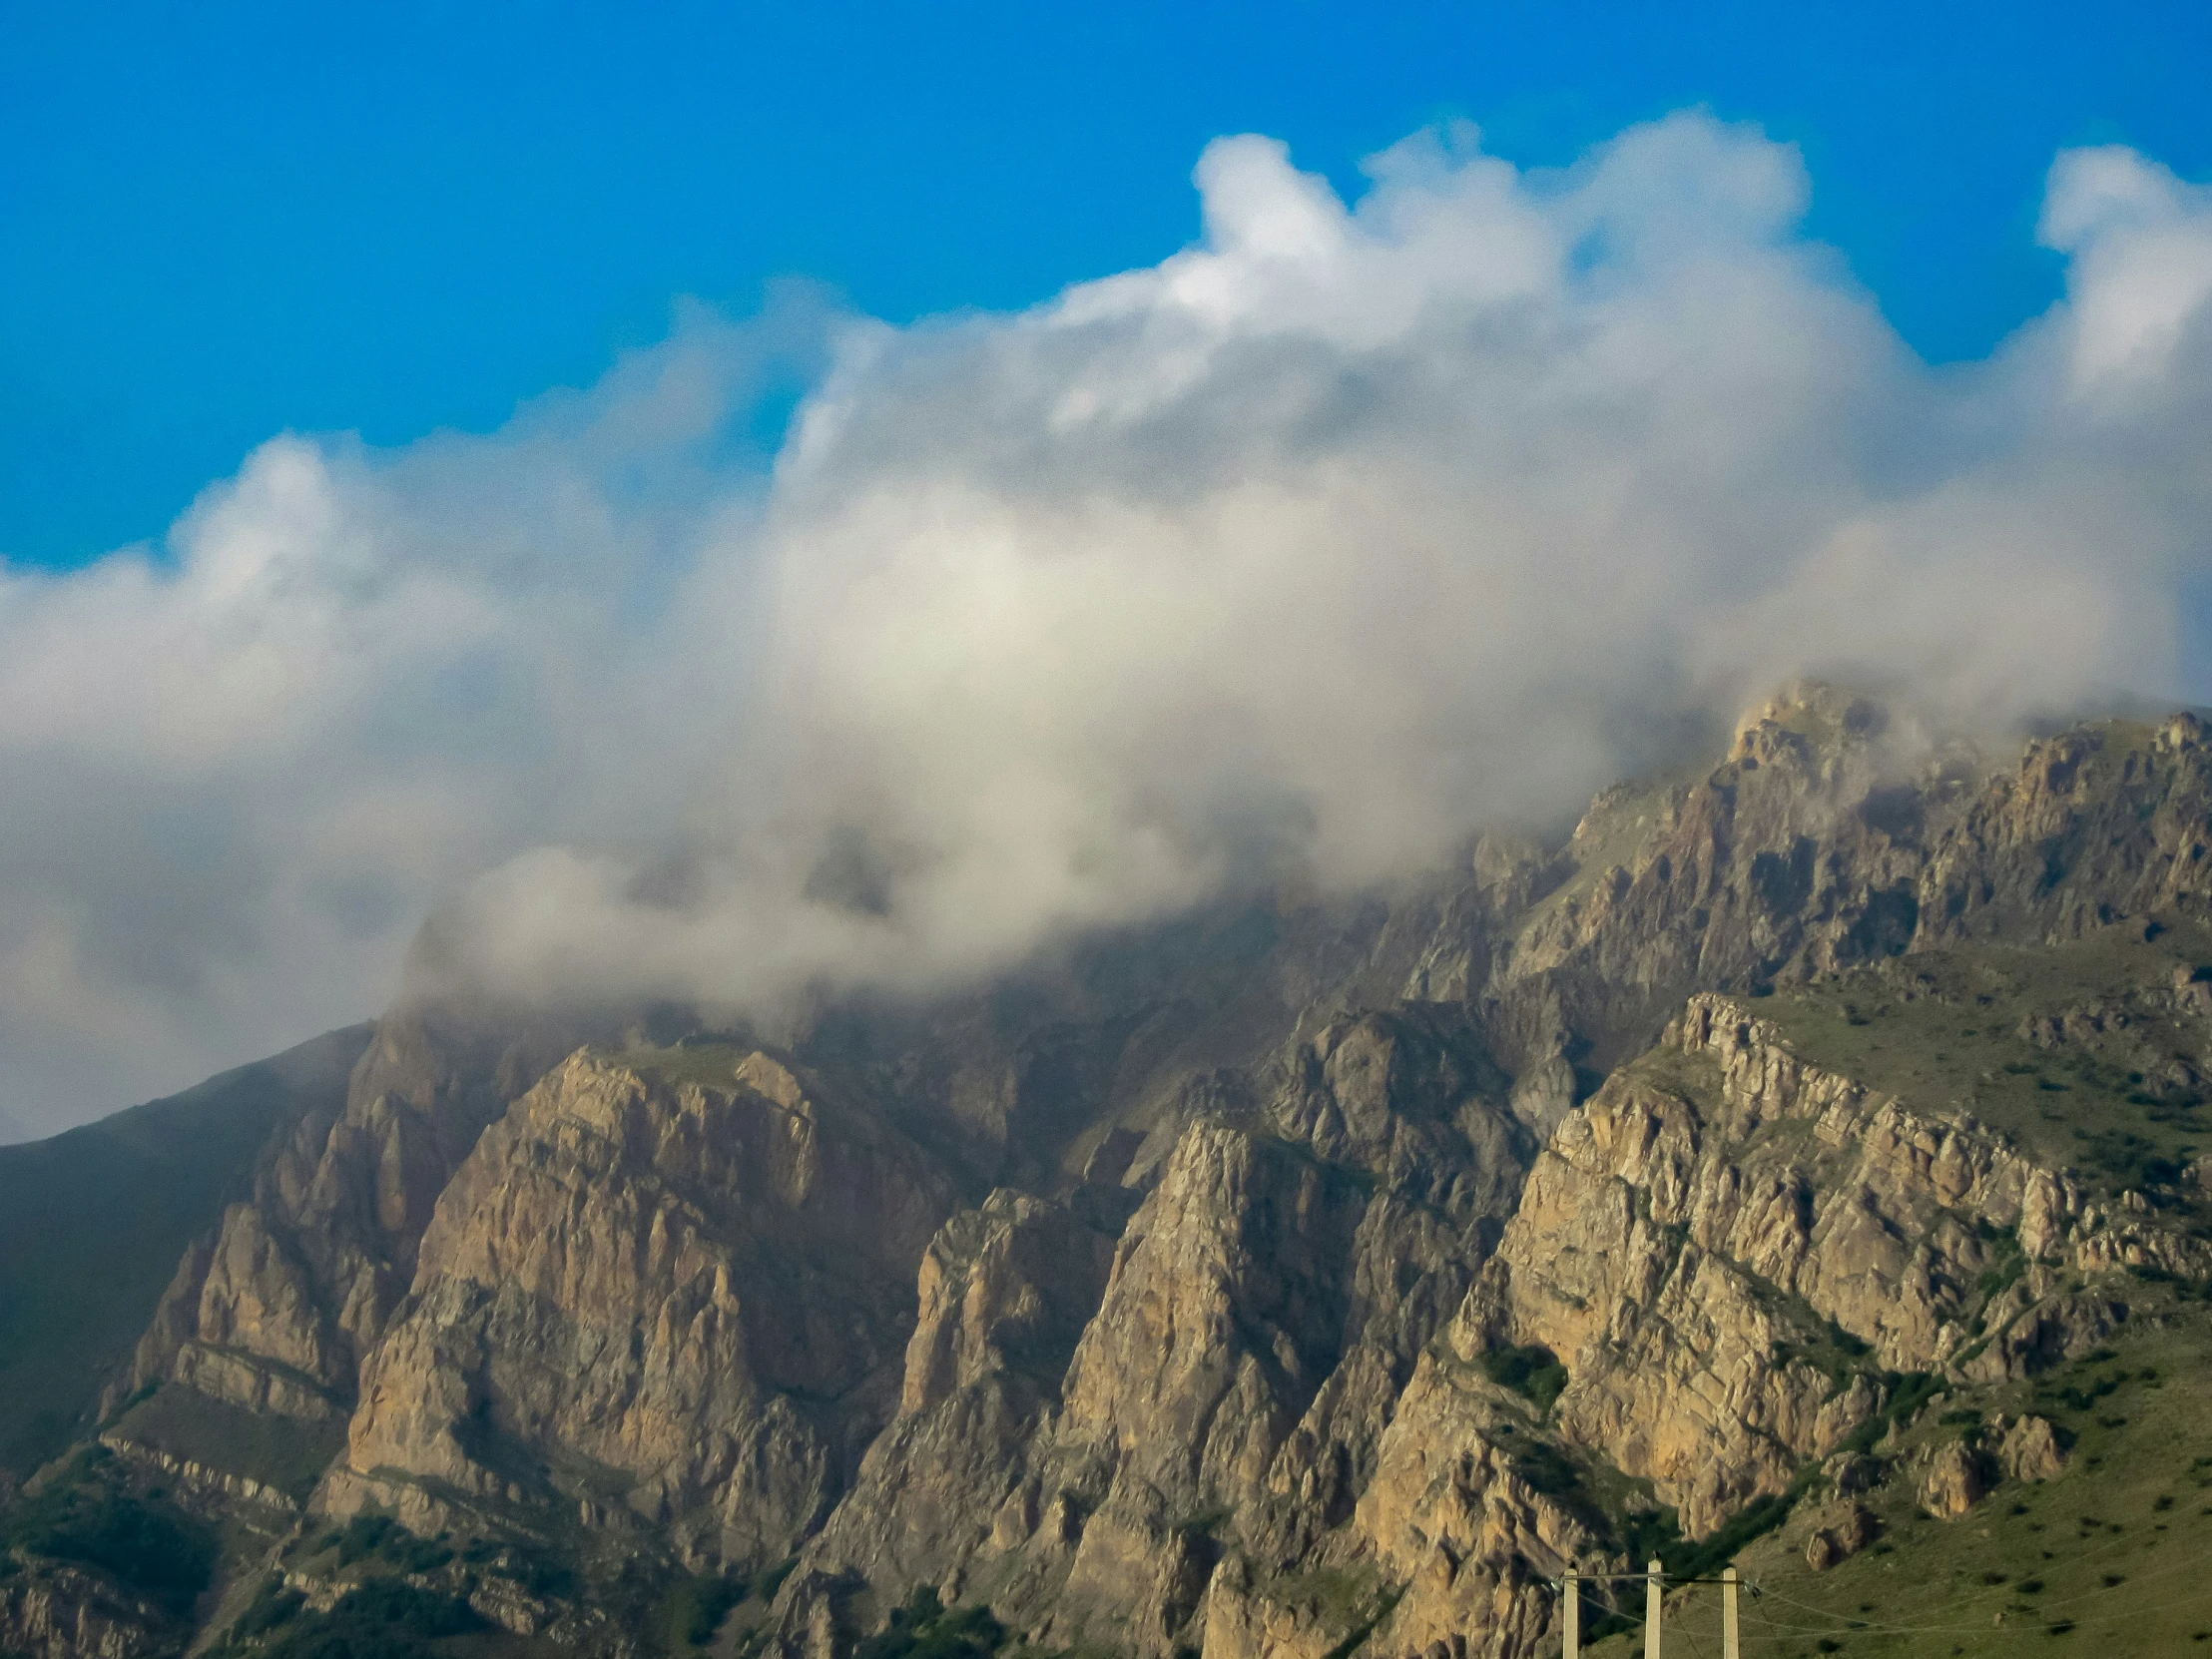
[[2013, 1589], [1841, 1625], [2034, 1621]]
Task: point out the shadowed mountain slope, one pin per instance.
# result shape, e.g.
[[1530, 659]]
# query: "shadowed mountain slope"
[[92, 1222]]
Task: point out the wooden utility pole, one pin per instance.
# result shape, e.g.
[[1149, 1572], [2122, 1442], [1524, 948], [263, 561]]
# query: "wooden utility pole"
[[1572, 1614], [1728, 1614], [1653, 1577]]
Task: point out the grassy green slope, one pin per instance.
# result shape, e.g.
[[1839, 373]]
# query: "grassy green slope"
[[287, 1454], [2091, 1053], [2112, 1556], [2118, 1096], [92, 1223]]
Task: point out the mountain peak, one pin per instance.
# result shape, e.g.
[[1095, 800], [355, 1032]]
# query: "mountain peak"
[[1316, 1274]]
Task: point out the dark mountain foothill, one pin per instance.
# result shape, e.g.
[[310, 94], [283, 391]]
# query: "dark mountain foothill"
[[1804, 1164]]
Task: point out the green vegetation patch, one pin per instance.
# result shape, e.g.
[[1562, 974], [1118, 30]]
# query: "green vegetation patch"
[[926, 1629], [87, 1514], [771, 1579], [539, 1572], [1384, 1606], [1535, 1372], [273, 1605], [1345, 1596], [380, 1538], [1696, 1078], [2071, 1048], [1903, 1394], [382, 1619], [698, 1604], [712, 1065]]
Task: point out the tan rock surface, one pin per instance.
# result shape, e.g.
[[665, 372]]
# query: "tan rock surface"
[[57, 1611], [1958, 1478], [1840, 1531], [2030, 1450], [302, 1278], [651, 1291]]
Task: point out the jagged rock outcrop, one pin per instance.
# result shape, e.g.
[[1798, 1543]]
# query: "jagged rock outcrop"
[[1663, 1271], [1224, 1314], [1958, 1478], [1829, 836], [201, 1479], [1800, 853], [1839, 1532], [644, 1288], [1236, 1364], [278, 1310], [1697, 1241], [2093, 823], [947, 1491], [1453, 1516], [59, 1611], [2031, 1449]]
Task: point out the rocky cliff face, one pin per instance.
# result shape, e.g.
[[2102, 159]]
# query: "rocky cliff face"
[[1294, 1276], [1723, 1230], [683, 1278], [65, 1612], [278, 1311]]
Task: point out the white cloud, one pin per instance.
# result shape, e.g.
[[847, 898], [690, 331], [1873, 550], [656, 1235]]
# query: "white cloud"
[[1324, 539], [2140, 242]]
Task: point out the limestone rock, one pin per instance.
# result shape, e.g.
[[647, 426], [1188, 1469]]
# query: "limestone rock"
[[1958, 1478], [1450, 1514], [1853, 1473], [1221, 1316], [2031, 1449], [1679, 1256], [2059, 1328], [56, 1611], [1004, 1293], [653, 1287], [2088, 826], [300, 1283], [1840, 1532]]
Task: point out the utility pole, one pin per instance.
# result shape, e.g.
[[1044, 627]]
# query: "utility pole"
[[1654, 1576]]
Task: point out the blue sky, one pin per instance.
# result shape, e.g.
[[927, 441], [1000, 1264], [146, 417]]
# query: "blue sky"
[[385, 530], [222, 222]]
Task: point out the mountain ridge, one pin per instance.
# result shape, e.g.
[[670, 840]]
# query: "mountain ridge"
[[168, 1167], [1291, 1278]]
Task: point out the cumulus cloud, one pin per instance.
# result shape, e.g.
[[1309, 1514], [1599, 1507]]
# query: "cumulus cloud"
[[1344, 530], [2141, 245]]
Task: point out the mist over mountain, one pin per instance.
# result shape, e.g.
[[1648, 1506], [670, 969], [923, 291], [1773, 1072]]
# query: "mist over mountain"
[[1799, 1164], [1343, 533], [1379, 940]]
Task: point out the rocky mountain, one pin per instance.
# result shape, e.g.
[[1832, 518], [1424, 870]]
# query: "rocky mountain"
[[92, 1223], [1762, 1171]]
